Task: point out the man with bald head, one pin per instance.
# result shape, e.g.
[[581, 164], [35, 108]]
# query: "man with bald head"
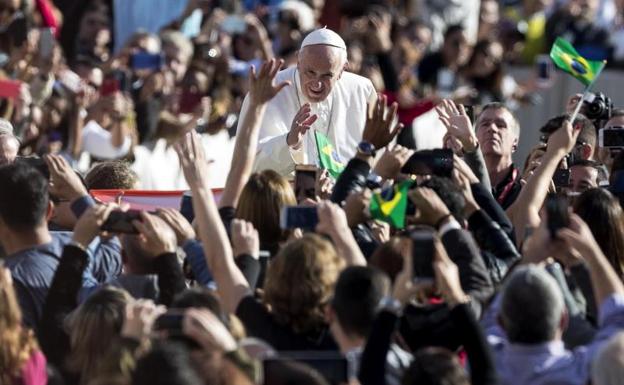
[[320, 96]]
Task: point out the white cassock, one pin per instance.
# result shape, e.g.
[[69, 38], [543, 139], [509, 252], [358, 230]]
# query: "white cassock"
[[341, 117]]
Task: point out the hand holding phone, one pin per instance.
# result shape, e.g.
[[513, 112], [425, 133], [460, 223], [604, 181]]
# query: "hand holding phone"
[[305, 182], [423, 252], [299, 217], [556, 214], [122, 222]]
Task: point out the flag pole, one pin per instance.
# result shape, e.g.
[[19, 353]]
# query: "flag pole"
[[586, 92]]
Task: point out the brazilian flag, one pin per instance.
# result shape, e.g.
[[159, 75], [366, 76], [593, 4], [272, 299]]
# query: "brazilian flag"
[[328, 157], [565, 57], [391, 205]]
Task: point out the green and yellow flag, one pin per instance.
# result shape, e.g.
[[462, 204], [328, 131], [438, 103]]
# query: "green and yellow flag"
[[328, 158], [565, 57], [391, 209]]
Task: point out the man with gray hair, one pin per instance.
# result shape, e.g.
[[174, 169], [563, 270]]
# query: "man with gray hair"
[[9, 144], [321, 96], [531, 314]]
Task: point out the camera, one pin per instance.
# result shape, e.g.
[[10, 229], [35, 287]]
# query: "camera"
[[598, 107], [438, 162]]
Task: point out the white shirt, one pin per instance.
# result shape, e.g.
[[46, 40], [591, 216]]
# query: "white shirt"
[[98, 142], [158, 166], [341, 117]]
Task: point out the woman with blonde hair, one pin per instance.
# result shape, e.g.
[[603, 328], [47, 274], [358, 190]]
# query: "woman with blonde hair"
[[21, 361]]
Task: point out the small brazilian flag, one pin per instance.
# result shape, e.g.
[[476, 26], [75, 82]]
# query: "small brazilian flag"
[[391, 205], [565, 57], [328, 158]]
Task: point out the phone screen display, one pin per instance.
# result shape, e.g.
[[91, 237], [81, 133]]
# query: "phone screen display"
[[305, 182], [299, 217], [612, 137]]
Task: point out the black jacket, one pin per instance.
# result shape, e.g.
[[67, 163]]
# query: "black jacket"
[[470, 335], [352, 179]]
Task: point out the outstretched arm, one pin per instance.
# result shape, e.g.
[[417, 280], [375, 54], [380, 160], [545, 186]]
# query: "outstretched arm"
[[262, 90], [524, 212], [231, 284]]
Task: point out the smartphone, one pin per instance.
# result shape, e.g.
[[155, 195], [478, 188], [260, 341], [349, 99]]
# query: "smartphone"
[[189, 100], [71, 81], [438, 162], [299, 217], [10, 89], [470, 112], [146, 61], [305, 181], [422, 254], [170, 322], [121, 222], [561, 178], [331, 365], [46, 42], [556, 213], [543, 67], [186, 206], [612, 137], [234, 24]]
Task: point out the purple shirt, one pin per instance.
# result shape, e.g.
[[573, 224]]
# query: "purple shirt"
[[550, 363]]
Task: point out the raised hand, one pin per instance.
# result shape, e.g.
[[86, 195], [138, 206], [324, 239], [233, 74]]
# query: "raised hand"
[[562, 141], [262, 87], [156, 236], [193, 160], [447, 277], [180, 226], [300, 125], [204, 327], [380, 128], [245, 239], [323, 185], [431, 209], [64, 182], [391, 162], [457, 123], [140, 316], [88, 226]]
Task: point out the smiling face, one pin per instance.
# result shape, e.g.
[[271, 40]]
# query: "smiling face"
[[320, 66], [496, 132]]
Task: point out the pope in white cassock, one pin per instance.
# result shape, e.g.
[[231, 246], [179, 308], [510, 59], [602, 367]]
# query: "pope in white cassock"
[[321, 96]]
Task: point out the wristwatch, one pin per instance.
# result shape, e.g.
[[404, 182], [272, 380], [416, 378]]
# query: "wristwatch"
[[367, 148]]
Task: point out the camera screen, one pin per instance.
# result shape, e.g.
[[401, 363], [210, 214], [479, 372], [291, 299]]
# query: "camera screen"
[[613, 137]]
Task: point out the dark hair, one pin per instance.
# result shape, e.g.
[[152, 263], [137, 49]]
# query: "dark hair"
[[603, 214], [451, 29], [435, 366], [23, 196], [449, 193], [111, 175], [356, 298], [284, 372], [587, 134], [167, 363], [200, 297], [492, 83]]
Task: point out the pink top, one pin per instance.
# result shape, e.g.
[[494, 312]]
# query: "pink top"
[[34, 370]]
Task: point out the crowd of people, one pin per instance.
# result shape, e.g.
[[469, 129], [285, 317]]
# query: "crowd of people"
[[390, 264]]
